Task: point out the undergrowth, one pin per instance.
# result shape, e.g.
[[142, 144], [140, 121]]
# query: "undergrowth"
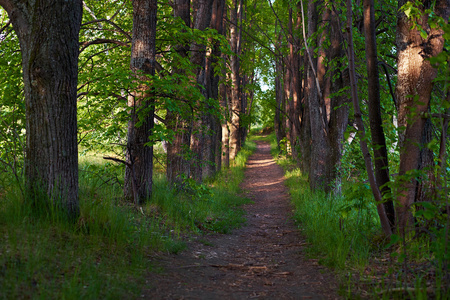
[[344, 233], [104, 254]]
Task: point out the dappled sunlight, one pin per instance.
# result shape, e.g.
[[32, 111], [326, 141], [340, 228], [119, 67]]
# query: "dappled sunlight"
[[260, 163]]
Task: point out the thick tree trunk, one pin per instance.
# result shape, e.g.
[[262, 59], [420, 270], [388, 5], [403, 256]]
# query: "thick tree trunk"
[[235, 138], [339, 108], [414, 84], [211, 118], [376, 128], [317, 175], [179, 123], [139, 157], [296, 87], [48, 34], [200, 143]]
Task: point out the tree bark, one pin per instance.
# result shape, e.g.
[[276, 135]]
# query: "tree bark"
[[179, 123], [376, 128], [338, 110], [139, 156], [278, 126], [48, 33], [414, 84], [317, 175], [296, 88], [199, 139], [358, 118], [211, 116], [235, 138]]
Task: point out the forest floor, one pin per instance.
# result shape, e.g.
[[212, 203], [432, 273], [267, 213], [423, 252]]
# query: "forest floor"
[[265, 259]]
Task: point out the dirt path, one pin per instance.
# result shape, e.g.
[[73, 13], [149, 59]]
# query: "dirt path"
[[261, 260]]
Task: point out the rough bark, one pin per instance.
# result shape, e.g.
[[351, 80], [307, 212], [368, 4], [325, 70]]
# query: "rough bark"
[[200, 144], [179, 123], [317, 175], [338, 110], [414, 85], [211, 116], [139, 156], [235, 139], [305, 129], [218, 24], [48, 33], [376, 128], [361, 131], [278, 126], [296, 88]]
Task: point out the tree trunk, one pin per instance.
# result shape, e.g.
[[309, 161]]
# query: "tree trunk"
[[317, 175], [225, 101], [211, 120], [278, 126], [361, 131], [235, 139], [179, 123], [48, 32], [305, 129], [339, 108], [296, 87], [376, 128], [414, 84], [139, 157], [199, 139], [217, 23]]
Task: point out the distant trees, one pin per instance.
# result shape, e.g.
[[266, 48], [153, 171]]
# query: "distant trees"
[[313, 113]]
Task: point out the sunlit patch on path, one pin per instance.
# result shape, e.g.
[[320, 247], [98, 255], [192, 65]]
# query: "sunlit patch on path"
[[262, 260]]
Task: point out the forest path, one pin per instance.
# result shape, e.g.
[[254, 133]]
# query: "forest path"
[[263, 259]]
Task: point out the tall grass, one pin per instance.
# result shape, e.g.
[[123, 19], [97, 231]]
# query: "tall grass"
[[339, 228], [105, 253], [344, 233]]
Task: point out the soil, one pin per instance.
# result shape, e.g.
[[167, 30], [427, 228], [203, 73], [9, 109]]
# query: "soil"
[[264, 259]]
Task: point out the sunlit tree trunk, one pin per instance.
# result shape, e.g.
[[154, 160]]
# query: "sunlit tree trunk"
[[235, 138], [278, 126], [48, 34], [414, 85], [317, 175], [296, 87], [139, 155], [225, 101]]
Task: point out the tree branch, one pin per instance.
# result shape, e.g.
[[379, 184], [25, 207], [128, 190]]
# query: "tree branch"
[[384, 65], [309, 54], [109, 22], [6, 26], [86, 44]]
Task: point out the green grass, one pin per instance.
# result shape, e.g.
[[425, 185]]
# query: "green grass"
[[105, 253], [344, 233]]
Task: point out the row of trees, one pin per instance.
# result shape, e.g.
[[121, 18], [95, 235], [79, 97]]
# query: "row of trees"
[[324, 68], [189, 73], [122, 66]]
